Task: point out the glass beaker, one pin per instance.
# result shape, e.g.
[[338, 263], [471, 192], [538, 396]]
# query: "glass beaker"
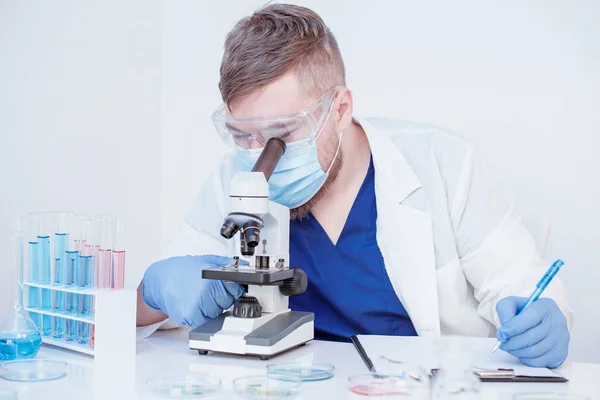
[[455, 378], [19, 336]]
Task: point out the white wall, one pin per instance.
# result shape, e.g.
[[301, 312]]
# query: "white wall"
[[94, 119], [79, 115], [521, 80]]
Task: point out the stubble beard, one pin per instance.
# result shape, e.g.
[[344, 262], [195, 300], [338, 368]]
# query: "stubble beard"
[[302, 212]]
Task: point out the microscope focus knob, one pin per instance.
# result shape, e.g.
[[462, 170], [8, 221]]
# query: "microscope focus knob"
[[295, 285], [247, 307]]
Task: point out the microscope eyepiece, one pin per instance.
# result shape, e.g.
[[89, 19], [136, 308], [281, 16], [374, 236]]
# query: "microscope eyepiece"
[[251, 232], [229, 228], [268, 159]]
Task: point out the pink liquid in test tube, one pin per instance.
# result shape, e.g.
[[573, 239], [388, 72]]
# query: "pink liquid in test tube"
[[105, 267], [118, 268], [105, 252], [102, 257], [99, 275]]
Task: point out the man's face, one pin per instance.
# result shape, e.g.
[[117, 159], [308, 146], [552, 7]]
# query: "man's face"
[[285, 96]]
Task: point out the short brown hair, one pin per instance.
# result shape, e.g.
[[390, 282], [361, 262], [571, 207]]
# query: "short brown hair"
[[273, 41]]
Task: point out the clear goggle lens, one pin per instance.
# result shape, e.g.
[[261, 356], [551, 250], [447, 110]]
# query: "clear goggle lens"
[[254, 132]]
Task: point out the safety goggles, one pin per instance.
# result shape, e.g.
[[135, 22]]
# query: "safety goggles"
[[254, 132]]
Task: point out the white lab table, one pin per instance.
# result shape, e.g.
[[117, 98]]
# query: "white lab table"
[[167, 353]]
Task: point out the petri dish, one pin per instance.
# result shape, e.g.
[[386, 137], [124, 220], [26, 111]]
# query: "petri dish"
[[381, 385], [272, 386], [187, 386], [7, 394], [33, 370], [304, 371], [549, 396]]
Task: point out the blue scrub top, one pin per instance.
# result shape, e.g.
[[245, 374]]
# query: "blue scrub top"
[[349, 290]]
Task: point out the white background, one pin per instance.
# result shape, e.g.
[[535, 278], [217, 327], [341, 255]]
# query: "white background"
[[520, 80], [79, 115]]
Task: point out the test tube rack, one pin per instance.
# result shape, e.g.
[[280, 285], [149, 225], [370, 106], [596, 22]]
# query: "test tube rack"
[[113, 319], [72, 277]]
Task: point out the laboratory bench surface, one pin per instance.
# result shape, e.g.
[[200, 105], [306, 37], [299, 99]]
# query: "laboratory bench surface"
[[166, 353]]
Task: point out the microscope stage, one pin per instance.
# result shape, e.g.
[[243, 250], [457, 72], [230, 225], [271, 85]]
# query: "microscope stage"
[[249, 276]]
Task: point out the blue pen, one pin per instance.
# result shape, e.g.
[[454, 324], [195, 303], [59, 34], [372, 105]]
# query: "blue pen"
[[539, 289]]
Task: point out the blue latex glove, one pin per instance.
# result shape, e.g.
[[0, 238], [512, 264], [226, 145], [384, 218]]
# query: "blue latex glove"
[[175, 287], [538, 336]]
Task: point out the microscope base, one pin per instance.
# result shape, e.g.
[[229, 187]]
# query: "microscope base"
[[278, 333]]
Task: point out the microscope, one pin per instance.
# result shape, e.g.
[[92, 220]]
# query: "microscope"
[[260, 322]]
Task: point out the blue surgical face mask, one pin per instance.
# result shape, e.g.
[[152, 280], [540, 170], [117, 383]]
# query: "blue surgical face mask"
[[298, 175]]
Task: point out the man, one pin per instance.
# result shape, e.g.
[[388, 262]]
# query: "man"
[[396, 224]]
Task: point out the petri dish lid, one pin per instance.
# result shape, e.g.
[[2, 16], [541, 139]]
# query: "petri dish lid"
[[380, 384], [304, 371], [272, 386], [548, 396], [185, 386], [33, 370]]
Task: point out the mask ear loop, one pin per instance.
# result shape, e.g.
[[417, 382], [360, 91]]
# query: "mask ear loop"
[[340, 135]]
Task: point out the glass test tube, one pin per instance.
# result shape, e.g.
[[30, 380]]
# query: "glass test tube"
[[18, 251], [79, 240], [76, 247], [94, 244], [83, 303], [61, 242], [71, 298], [86, 268], [118, 264], [104, 265], [35, 294], [44, 263], [19, 336], [85, 276], [105, 251]]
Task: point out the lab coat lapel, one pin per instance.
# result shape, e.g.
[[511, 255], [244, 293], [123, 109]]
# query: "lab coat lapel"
[[404, 233]]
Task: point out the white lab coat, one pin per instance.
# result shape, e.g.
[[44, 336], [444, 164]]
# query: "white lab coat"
[[452, 246]]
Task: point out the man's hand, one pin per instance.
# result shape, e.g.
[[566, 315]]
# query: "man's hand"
[[538, 336], [175, 287]]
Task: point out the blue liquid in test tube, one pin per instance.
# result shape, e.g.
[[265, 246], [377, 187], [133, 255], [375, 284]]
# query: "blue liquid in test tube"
[[84, 302], [71, 298], [35, 300], [44, 270], [61, 241]]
